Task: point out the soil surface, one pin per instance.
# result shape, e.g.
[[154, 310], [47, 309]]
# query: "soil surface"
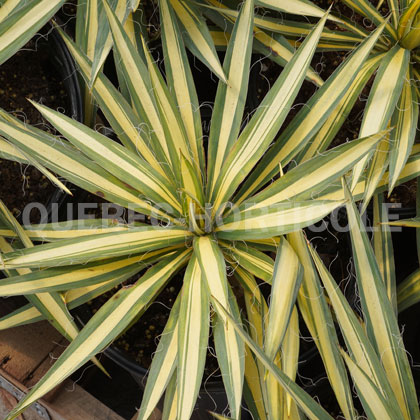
[[28, 74]]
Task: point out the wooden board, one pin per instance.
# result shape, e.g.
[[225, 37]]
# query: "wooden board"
[[26, 353]]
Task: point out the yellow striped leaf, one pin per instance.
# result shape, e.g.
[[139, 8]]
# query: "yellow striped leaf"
[[229, 347], [296, 7], [411, 170], [375, 405], [381, 323], [287, 278], [65, 278], [317, 316], [384, 250], [264, 124], [64, 160], [197, 33], [102, 39], [334, 122], [316, 173], [180, 80], [118, 160], [117, 111], [357, 342], [405, 122], [310, 119], [193, 336], [290, 359], [110, 320], [308, 405], [383, 98], [273, 220], [256, 262], [96, 247], [163, 364], [368, 10], [231, 96], [409, 291], [54, 231], [376, 170], [140, 86], [19, 27], [170, 116]]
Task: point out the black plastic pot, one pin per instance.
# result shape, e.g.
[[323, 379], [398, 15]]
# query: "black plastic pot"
[[63, 62]]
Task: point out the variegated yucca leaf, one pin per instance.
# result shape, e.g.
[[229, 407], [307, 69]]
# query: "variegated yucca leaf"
[[411, 170], [207, 207], [409, 291], [384, 250], [62, 279], [374, 403], [163, 365], [287, 277], [20, 21], [357, 342], [197, 34], [312, 409], [309, 120], [393, 98], [229, 347], [49, 232], [413, 222], [193, 335], [50, 305], [381, 322], [318, 318], [273, 45], [383, 98], [104, 326], [264, 124], [96, 247]]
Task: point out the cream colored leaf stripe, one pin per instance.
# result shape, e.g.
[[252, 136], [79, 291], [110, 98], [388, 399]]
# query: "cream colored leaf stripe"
[[310, 119], [193, 336], [111, 319], [319, 171], [381, 323], [231, 97], [163, 364], [213, 271], [277, 219], [318, 318], [180, 80], [72, 251], [117, 111], [118, 160], [260, 131], [18, 28], [52, 153]]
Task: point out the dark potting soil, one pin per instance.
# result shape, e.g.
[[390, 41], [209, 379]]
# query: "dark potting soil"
[[404, 196], [28, 74]]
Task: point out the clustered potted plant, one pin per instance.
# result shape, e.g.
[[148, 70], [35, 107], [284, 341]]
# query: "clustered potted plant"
[[225, 213]]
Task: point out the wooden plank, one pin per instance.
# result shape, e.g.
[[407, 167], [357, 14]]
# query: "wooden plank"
[[23, 349], [71, 403], [26, 353], [74, 403], [43, 368]]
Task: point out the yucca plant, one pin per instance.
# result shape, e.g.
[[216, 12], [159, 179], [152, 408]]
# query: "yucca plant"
[[207, 212], [393, 98], [373, 349]]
